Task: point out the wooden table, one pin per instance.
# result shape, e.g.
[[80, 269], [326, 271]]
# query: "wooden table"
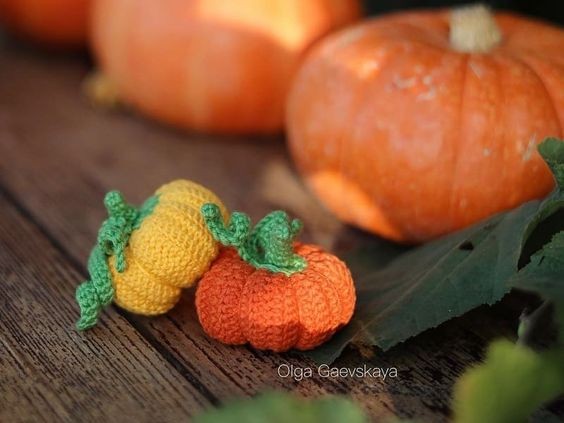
[[58, 156]]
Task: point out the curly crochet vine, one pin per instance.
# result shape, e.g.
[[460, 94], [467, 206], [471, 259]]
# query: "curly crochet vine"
[[113, 236], [269, 245]]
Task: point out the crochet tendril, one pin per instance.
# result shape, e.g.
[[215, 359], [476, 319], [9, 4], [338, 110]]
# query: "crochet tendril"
[[269, 245], [113, 236]]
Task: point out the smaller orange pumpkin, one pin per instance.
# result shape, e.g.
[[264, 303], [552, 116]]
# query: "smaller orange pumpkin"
[[268, 290]]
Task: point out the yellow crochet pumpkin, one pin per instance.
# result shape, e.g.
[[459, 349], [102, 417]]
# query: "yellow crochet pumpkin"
[[146, 255]]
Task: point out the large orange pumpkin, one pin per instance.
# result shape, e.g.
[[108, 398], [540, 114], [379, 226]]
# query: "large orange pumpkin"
[[61, 23], [417, 124], [219, 66]]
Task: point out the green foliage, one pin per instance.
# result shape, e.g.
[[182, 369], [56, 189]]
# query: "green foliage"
[[553, 153], [452, 275], [283, 408], [544, 274], [512, 383]]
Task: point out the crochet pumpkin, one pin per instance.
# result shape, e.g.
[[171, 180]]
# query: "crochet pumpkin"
[[268, 290], [145, 256]]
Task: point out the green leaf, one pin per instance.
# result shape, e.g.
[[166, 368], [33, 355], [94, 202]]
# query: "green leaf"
[[509, 386], [544, 274], [552, 151], [445, 278], [282, 408]]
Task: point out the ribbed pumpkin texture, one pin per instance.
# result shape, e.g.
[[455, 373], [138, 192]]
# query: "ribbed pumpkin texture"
[[271, 292], [218, 66], [59, 23], [417, 124], [171, 249], [145, 256], [237, 303]]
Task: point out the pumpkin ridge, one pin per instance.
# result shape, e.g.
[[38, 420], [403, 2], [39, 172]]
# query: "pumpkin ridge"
[[542, 83], [149, 273], [297, 329], [298, 310], [323, 284], [181, 219], [219, 297], [502, 113], [538, 76], [139, 293], [359, 101], [343, 312], [239, 320], [329, 282], [457, 156], [242, 326]]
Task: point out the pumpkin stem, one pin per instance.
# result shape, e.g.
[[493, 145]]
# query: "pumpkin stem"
[[473, 29], [113, 236], [233, 235], [268, 246], [115, 231]]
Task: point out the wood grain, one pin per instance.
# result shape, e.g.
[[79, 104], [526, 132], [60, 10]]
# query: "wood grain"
[[51, 372], [58, 157]]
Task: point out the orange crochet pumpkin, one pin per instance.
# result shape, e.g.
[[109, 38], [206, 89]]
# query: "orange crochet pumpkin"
[[269, 291], [417, 124], [210, 65], [61, 23]]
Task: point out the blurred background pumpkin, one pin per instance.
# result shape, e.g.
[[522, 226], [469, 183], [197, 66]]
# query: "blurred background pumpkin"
[[407, 126], [417, 124], [216, 66], [57, 23]]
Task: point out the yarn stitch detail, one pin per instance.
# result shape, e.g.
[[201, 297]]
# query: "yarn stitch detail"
[[98, 292], [268, 246]]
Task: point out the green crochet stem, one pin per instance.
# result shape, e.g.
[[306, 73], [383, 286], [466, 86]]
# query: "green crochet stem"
[[268, 246], [113, 237]]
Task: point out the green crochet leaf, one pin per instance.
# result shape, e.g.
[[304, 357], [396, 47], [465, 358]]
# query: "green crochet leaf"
[[283, 408], [113, 237], [269, 245], [431, 284], [509, 386]]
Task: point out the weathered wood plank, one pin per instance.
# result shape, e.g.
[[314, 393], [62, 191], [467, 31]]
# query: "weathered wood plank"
[[58, 157], [48, 371]]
